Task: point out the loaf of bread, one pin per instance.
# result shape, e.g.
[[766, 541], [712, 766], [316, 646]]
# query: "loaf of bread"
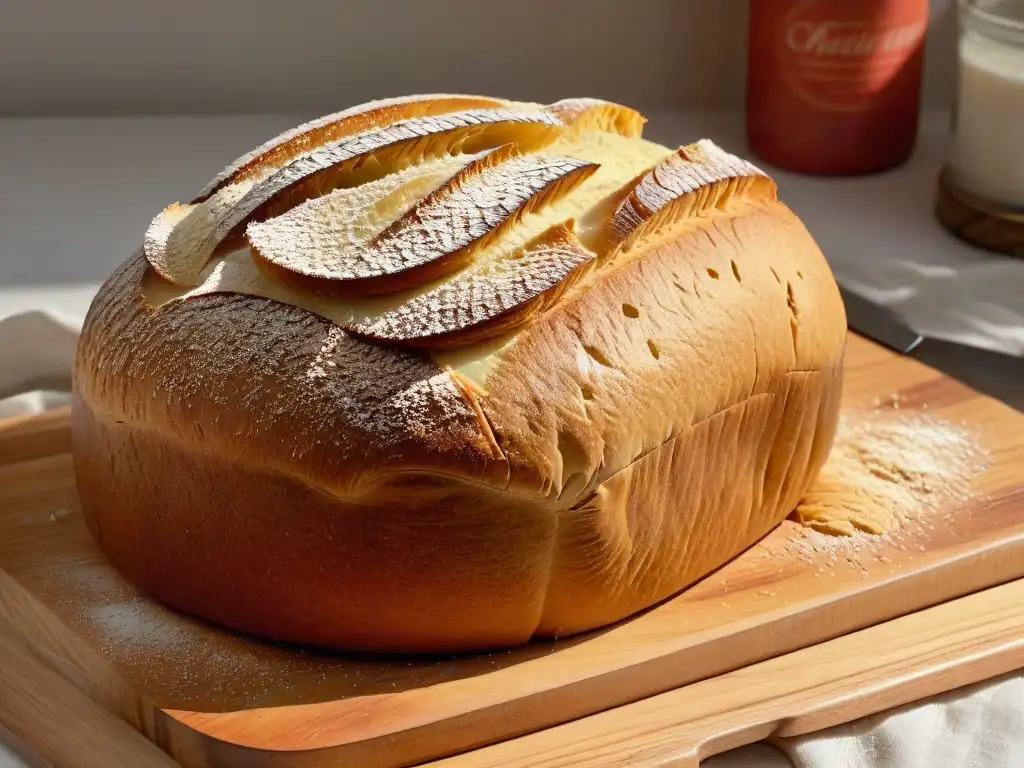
[[451, 372]]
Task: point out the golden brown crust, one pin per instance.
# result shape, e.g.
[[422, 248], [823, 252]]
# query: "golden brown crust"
[[690, 184], [666, 408], [285, 146], [689, 505], [597, 115], [565, 397], [419, 563], [221, 219], [324, 406]]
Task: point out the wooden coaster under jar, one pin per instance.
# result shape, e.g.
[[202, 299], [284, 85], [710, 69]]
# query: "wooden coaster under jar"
[[980, 196], [977, 221]]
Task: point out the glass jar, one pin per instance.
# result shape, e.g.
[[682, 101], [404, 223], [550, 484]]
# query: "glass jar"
[[987, 159]]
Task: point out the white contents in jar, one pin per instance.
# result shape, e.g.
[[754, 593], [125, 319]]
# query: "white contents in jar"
[[989, 144]]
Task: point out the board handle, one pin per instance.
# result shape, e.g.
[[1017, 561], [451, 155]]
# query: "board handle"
[[51, 722], [35, 435], [904, 660]]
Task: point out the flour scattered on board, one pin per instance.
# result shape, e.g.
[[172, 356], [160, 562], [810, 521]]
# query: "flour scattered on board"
[[133, 631], [59, 513], [138, 622], [888, 467], [890, 471], [181, 661], [138, 630]]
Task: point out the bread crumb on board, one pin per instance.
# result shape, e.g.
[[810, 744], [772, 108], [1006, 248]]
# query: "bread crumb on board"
[[886, 467]]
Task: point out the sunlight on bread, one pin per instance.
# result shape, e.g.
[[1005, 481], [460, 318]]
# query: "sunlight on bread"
[[436, 236], [348, 162], [372, 253], [461, 371]]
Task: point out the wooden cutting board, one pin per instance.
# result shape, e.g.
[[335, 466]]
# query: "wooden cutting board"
[[213, 698], [929, 652], [914, 657]]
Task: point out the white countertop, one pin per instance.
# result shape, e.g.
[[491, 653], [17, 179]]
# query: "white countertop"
[[77, 194]]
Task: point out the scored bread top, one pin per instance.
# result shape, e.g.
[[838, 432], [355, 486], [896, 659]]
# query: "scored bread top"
[[277, 151], [431, 239], [438, 221], [547, 279]]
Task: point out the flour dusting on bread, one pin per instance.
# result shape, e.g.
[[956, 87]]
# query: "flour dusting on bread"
[[349, 161], [442, 214]]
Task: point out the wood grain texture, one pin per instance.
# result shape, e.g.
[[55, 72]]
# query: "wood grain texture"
[[52, 718], [34, 435], [26, 621], [213, 698], [978, 222], [875, 669], [910, 658]]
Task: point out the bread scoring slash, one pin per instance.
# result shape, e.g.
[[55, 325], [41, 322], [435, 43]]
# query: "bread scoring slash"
[[449, 372]]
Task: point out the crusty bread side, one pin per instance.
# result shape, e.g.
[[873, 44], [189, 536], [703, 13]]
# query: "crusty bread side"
[[688, 423], [572, 458]]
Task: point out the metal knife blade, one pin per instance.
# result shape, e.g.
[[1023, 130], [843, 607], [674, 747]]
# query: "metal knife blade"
[[993, 373]]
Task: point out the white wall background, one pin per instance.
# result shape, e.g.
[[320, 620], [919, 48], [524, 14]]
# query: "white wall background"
[[88, 57], [76, 194]]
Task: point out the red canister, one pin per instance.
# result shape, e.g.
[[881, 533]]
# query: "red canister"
[[833, 86]]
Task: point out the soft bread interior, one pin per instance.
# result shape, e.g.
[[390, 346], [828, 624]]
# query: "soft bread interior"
[[495, 232], [489, 297], [438, 234], [350, 217]]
